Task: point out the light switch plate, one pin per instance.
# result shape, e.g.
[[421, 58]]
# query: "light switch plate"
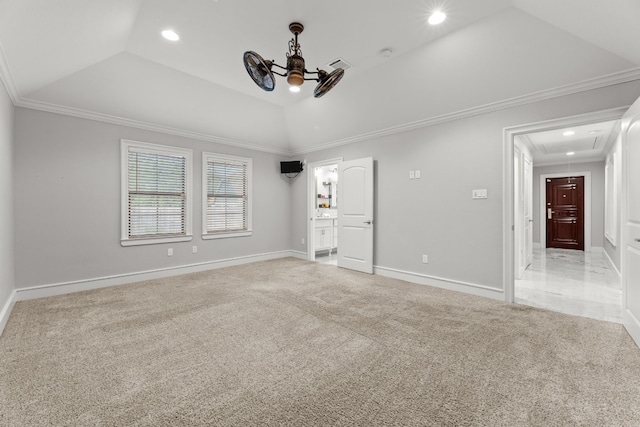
[[418, 174], [412, 174], [479, 194]]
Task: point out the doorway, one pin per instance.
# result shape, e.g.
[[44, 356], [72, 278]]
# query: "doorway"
[[550, 264], [323, 206]]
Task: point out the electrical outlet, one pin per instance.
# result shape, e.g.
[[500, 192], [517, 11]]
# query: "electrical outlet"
[[425, 259], [302, 241], [170, 252], [194, 249]]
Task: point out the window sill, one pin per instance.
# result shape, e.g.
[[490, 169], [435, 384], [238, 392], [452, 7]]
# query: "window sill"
[[154, 240], [227, 235]]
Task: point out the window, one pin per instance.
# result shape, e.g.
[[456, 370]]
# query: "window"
[[156, 193], [226, 195]]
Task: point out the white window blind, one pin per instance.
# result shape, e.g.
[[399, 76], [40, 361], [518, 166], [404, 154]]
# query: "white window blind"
[[227, 188], [157, 188]]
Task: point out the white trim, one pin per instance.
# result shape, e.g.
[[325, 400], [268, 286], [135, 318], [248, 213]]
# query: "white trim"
[[508, 274], [612, 79], [7, 78], [632, 324], [127, 145], [439, 282], [537, 245], [299, 255], [586, 211], [154, 241], [611, 263], [311, 202], [107, 118], [6, 311], [52, 289], [206, 157], [570, 89]]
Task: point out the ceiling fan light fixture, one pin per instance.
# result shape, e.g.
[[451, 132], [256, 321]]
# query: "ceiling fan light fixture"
[[295, 70], [262, 74]]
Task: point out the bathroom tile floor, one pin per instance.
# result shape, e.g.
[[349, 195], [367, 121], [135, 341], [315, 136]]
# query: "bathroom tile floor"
[[572, 282], [325, 258]]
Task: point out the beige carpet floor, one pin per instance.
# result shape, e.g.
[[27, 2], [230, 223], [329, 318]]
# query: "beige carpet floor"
[[293, 343]]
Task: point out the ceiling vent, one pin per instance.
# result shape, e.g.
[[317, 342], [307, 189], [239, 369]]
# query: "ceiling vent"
[[339, 63]]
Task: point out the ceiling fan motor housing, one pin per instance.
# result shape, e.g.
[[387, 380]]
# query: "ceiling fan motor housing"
[[295, 70]]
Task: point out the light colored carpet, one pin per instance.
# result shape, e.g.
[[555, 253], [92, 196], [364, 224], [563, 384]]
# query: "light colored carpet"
[[289, 342]]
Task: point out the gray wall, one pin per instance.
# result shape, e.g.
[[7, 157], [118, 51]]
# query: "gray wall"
[[6, 197], [436, 215], [597, 197], [67, 203]]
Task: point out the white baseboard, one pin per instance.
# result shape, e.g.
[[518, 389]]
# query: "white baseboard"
[[536, 245], [597, 249], [300, 255], [53, 289], [6, 311], [632, 325], [439, 282], [613, 266]]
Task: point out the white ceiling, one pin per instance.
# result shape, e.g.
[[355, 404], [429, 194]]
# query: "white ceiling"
[[589, 143], [105, 59]]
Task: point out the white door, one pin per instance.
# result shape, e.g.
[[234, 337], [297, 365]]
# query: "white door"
[[355, 216], [518, 212], [528, 210], [631, 221]]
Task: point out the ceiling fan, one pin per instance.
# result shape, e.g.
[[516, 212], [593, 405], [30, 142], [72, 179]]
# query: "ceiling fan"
[[262, 74]]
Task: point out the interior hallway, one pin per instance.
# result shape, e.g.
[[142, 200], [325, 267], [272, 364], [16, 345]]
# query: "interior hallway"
[[571, 282]]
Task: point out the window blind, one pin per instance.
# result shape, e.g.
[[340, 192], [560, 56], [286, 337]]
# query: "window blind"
[[157, 194], [227, 196]]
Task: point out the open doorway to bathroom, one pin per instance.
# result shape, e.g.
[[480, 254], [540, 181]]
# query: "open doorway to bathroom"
[[324, 203]]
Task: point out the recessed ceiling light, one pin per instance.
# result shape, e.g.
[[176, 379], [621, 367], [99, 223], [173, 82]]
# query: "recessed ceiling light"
[[568, 133], [570, 153], [294, 89], [437, 17], [170, 35]]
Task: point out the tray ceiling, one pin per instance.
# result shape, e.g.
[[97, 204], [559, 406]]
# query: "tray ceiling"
[[105, 59]]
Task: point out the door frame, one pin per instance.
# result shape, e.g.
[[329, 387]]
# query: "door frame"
[[312, 200], [586, 211], [508, 222]]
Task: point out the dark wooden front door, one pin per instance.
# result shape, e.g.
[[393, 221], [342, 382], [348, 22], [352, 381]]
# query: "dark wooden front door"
[[565, 213]]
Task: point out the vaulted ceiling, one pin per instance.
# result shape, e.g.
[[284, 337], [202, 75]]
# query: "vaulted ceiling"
[[105, 59]]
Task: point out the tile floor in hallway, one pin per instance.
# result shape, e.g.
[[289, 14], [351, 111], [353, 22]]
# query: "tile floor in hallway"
[[324, 257], [572, 282]]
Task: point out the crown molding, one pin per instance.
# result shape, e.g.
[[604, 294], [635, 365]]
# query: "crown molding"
[[7, 78], [570, 89], [107, 118]]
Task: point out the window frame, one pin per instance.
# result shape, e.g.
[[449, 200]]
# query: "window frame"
[[146, 147], [206, 157]]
